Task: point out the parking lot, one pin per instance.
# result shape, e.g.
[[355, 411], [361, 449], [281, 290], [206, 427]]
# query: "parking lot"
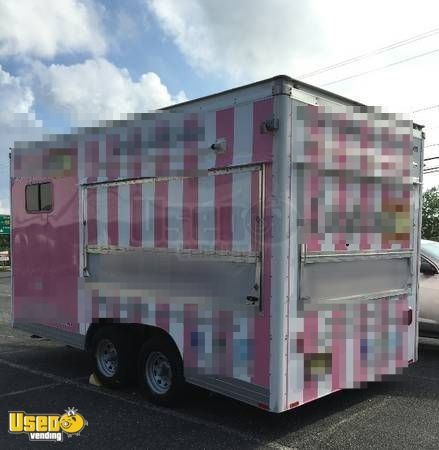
[[39, 376]]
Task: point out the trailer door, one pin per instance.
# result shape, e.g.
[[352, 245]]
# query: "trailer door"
[[356, 176]]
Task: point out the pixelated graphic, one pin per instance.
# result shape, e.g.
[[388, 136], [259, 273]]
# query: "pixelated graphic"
[[354, 167], [171, 236], [172, 220], [354, 183]]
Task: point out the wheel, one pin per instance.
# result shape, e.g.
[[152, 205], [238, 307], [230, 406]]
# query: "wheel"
[[160, 371], [114, 357]]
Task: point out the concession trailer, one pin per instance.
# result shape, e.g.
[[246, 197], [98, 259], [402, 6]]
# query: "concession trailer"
[[262, 242]]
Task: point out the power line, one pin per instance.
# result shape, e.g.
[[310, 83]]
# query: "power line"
[[371, 53], [383, 67], [433, 157], [426, 108], [431, 145], [432, 170]]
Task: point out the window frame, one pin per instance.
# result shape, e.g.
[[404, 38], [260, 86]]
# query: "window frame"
[[39, 211]]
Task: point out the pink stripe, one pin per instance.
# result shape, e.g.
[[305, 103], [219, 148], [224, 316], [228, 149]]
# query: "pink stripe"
[[192, 341], [357, 344], [113, 307], [92, 160], [92, 228], [135, 309], [223, 212], [113, 156], [311, 329], [312, 183], [190, 187], [363, 344], [262, 143], [255, 213], [162, 315], [190, 213], [161, 214], [340, 241], [338, 350], [262, 321], [225, 129], [382, 361], [136, 215], [364, 135], [401, 349], [134, 155], [112, 210], [162, 142], [190, 147], [365, 207], [225, 343], [385, 207]]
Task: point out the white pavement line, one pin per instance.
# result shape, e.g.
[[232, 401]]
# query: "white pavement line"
[[24, 391], [363, 412], [11, 352], [194, 420]]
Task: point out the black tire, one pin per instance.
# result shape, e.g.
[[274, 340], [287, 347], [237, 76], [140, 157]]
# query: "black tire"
[[124, 370], [169, 392]]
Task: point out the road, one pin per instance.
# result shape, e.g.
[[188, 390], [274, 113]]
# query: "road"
[[37, 375]]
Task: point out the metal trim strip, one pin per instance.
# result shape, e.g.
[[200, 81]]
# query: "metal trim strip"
[[67, 337], [223, 255], [232, 387], [324, 257], [362, 298], [208, 172]]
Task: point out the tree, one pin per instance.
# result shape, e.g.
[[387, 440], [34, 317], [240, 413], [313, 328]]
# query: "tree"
[[430, 215], [4, 242]]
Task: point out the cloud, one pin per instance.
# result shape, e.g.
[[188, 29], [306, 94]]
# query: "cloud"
[[15, 98], [97, 89], [46, 28], [250, 39], [239, 39], [17, 122], [242, 41]]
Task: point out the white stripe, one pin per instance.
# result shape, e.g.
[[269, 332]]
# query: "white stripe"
[[176, 327], [151, 311], [102, 308], [349, 349], [123, 307], [148, 215], [206, 213], [240, 368], [175, 214], [148, 163], [102, 215], [124, 214], [241, 211], [243, 134]]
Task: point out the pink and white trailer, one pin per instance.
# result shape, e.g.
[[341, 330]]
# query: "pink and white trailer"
[[262, 243]]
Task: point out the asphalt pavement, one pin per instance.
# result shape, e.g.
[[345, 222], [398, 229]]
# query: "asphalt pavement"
[[40, 376]]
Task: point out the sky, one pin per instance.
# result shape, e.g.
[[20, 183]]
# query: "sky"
[[62, 61]]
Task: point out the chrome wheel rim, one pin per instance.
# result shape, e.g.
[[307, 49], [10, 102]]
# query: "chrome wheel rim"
[[158, 373], [106, 358]]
